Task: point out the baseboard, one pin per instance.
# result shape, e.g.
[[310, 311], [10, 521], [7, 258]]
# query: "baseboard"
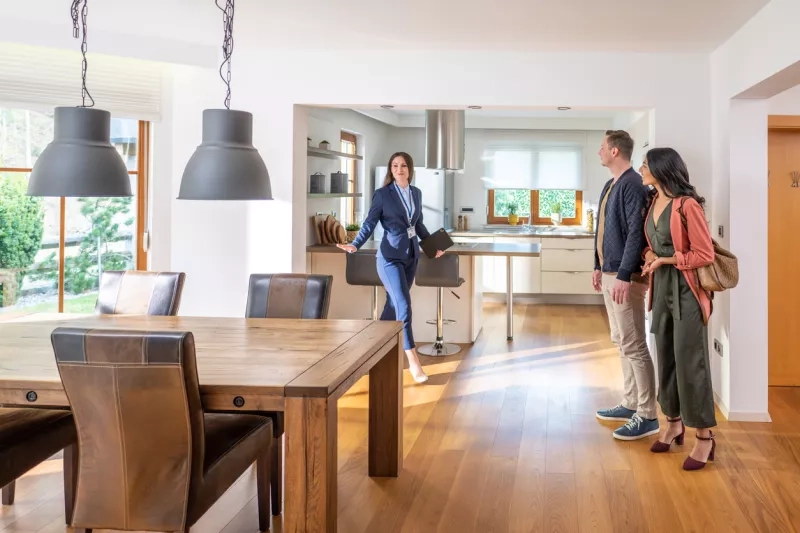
[[740, 416]]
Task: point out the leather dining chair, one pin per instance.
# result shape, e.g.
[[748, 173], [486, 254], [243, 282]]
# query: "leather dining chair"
[[150, 458], [139, 292], [286, 296], [30, 436]]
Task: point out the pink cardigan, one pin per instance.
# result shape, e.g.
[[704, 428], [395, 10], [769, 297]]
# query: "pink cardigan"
[[693, 249]]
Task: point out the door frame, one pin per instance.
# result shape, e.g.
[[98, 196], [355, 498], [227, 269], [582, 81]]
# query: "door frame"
[[778, 124]]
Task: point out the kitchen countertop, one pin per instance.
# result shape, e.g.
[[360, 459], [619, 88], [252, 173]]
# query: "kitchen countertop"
[[544, 232], [466, 249]]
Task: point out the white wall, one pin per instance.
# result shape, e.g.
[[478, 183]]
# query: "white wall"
[[759, 61], [785, 103]]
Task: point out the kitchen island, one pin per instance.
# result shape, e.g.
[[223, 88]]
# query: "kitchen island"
[[353, 302]]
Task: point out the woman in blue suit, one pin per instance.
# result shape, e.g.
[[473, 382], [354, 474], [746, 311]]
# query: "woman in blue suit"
[[398, 207]]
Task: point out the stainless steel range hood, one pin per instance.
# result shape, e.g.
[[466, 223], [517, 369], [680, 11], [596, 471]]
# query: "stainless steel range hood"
[[444, 139]]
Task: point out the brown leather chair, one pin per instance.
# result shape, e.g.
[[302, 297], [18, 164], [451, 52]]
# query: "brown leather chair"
[[31, 436], [139, 292], [150, 459], [286, 296]]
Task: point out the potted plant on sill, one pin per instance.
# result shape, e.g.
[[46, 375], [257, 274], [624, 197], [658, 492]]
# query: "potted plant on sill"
[[555, 212], [513, 219], [352, 232], [325, 145]]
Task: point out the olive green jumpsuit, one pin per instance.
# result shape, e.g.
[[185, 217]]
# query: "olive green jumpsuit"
[[684, 373]]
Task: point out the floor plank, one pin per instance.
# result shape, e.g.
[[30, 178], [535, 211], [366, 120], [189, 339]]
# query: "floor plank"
[[503, 438]]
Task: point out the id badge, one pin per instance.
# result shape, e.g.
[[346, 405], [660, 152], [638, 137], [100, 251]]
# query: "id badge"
[[411, 233]]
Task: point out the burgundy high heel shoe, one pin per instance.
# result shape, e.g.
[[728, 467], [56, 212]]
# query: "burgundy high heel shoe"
[[693, 464], [663, 447]]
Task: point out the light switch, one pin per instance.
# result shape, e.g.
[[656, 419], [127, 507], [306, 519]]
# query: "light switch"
[[720, 231]]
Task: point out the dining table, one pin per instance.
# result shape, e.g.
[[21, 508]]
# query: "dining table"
[[299, 367]]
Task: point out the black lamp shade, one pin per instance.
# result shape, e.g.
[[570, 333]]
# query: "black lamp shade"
[[226, 166], [81, 160]]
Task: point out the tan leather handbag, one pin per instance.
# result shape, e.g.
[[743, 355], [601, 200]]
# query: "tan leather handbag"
[[723, 273]]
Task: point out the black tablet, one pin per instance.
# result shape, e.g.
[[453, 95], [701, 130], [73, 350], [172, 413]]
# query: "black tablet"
[[438, 240]]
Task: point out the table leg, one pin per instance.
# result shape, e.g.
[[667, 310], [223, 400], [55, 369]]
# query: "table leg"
[[311, 465], [386, 414], [509, 298]]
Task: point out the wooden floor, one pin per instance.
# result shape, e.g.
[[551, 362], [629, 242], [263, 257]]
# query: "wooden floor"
[[503, 438]]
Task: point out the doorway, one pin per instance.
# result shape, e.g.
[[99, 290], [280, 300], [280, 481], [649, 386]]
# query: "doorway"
[[784, 250]]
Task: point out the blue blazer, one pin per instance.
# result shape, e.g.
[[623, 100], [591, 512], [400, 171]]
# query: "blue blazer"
[[388, 209]]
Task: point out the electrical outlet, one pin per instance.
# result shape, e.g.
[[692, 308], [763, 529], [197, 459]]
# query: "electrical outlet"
[[718, 347], [720, 231]]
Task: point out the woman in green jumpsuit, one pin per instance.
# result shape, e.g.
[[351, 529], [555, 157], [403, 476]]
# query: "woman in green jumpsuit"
[[678, 244]]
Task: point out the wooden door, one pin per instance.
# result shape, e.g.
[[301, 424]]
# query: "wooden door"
[[784, 258]]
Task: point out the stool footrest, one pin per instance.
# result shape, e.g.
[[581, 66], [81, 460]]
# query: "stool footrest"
[[445, 322], [439, 349]]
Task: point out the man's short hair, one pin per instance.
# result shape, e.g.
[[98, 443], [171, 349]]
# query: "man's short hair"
[[622, 141]]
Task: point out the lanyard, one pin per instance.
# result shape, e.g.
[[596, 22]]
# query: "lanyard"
[[409, 208]]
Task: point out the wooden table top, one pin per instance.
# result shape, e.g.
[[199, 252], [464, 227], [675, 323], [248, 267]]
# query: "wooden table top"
[[258, 356]]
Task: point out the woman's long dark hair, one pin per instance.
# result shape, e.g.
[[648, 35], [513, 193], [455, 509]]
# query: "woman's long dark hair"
[[389, 179], [669, 169]]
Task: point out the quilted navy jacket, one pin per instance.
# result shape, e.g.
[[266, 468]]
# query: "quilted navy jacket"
[[623, 234]]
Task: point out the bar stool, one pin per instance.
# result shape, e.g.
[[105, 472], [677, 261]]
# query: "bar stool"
[[439, 273], [362, 269]]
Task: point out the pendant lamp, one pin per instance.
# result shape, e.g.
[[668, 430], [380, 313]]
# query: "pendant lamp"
[[226, 165], [80, 161]]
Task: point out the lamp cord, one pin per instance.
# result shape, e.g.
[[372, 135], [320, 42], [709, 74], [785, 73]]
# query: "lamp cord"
[[227, 46], [79, 12]]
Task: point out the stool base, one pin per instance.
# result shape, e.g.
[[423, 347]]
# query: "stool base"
[[439, 349]]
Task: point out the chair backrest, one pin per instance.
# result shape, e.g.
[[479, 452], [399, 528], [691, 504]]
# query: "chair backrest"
[[288, 296], [138, 292], [136, 402], [362, 269], [441, 272]]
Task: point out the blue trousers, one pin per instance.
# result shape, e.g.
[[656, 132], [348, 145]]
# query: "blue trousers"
[[397, 277]]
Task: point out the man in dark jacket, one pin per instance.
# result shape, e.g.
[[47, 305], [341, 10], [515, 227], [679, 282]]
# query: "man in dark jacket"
[[619, 243]]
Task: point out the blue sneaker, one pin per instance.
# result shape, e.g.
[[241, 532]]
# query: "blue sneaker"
[[637, 428], [623, 414]]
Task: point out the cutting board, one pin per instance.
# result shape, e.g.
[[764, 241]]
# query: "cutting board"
[[329, 230]]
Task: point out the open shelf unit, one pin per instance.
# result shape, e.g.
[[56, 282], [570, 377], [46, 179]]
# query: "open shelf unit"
[[335, 195], [331, 154]]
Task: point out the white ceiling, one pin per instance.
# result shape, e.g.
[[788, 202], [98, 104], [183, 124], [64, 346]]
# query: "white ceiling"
[[547, 25], [522, 113], [509, 118], [520, 25]]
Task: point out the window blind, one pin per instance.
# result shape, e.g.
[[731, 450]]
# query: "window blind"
[[42, 77], [534, 167]]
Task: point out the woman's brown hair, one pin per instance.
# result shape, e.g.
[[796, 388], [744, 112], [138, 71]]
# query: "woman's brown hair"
[[389, 179]]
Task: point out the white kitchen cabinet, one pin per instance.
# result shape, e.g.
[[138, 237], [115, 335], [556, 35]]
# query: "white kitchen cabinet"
[[568, 244], [567, 266], [567, 283], [555, 260]]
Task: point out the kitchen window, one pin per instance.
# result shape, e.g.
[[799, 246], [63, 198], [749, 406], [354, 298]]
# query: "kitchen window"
[[538, 182], [348, 166], [536, 206]]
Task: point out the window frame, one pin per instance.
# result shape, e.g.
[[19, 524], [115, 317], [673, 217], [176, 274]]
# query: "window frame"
[[352, 168], [536, 217], [142, 173]]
